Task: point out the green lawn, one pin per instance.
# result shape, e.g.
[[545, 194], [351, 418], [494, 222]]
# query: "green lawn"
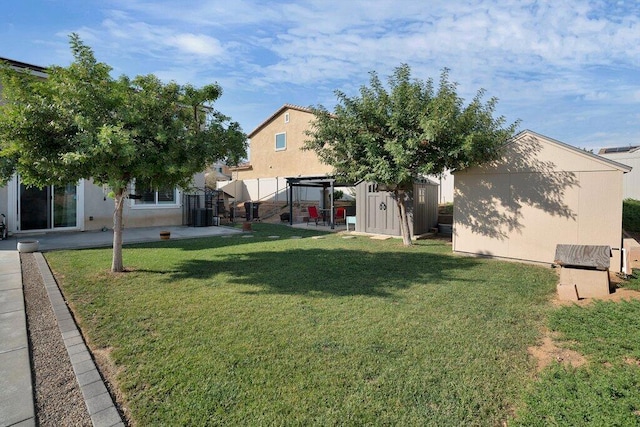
[[332, 331], [605, 392]]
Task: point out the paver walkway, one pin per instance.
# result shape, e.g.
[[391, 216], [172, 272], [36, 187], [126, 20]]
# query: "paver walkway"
[[16, 393]]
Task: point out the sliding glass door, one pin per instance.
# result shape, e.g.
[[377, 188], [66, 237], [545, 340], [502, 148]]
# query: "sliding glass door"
[[64, 206], [47, 208]]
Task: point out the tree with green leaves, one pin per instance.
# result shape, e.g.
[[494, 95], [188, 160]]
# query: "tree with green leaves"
[[80, 123], [392, 137]]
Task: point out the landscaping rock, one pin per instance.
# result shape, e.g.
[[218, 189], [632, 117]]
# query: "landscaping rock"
[[58, 397]]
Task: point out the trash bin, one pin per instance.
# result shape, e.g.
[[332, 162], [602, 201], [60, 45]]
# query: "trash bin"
[[201, 217], [252, 210], [220, 208]]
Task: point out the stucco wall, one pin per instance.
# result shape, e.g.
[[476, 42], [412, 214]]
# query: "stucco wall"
[[98, 210], [538, 195], [267, 162], [4, 201]]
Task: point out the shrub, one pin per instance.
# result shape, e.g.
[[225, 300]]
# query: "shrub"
[[631, 215], [445, 209]]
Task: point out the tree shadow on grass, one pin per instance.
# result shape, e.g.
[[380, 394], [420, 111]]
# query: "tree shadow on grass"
[[261, 232], [322, 272]]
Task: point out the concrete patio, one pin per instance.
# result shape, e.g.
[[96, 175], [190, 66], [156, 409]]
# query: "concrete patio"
[[94, 239]]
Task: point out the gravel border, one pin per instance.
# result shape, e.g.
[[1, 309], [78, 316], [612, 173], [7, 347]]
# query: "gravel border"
[[58, 397], [68, 388]]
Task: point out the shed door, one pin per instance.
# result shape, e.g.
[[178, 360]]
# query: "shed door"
[[382, 217]]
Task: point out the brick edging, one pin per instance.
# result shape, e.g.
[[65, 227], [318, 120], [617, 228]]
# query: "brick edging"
[[99, 402]]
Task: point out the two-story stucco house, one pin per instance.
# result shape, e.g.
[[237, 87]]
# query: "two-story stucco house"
[[275, 153]]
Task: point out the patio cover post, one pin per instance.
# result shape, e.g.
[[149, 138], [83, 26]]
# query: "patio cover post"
[[290, 202], [331, 202]]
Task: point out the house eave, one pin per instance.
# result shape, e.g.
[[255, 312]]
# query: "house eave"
[[276, 114], [240, 168], [36, 70]]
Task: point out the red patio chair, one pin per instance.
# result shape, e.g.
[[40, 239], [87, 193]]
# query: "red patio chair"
[[313, 215], [341, 215]]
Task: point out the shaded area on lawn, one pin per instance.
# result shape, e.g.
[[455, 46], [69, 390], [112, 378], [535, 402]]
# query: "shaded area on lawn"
[[320, 271], [327, 266]]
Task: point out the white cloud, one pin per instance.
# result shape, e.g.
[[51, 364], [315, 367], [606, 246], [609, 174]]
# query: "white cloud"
[[597, 95], [197, 44], [332, 40], [135, 36], [553, 59], [209, 14]]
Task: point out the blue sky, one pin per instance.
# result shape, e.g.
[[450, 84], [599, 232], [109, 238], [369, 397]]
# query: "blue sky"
[[567, 69]]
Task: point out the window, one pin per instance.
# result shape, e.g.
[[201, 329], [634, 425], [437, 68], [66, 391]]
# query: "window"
[[422, 195], [286, 117], [281, 141], [150, 196]]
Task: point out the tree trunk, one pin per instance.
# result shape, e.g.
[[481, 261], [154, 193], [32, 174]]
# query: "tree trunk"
[[116, 264], [404, 220]]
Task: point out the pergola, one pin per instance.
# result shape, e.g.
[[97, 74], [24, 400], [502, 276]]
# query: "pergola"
[[324, 182]]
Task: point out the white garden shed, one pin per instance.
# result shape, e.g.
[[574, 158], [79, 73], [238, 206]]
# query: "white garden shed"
[[539, 194]]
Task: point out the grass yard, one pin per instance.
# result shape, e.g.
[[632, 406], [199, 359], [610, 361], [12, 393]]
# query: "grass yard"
[[331, 331], [605, 392]]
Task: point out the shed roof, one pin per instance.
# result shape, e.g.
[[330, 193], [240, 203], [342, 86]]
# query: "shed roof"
[[603, 161], [276, 114], [571, 148]]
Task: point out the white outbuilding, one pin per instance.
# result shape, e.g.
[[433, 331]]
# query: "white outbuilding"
[[539, 194]]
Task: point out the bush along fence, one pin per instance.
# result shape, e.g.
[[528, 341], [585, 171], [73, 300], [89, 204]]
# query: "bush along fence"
[[631, 215]]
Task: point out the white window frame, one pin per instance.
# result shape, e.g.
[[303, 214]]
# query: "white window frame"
[[13, 202], [286, 117], [136, 204], [285, 141]]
